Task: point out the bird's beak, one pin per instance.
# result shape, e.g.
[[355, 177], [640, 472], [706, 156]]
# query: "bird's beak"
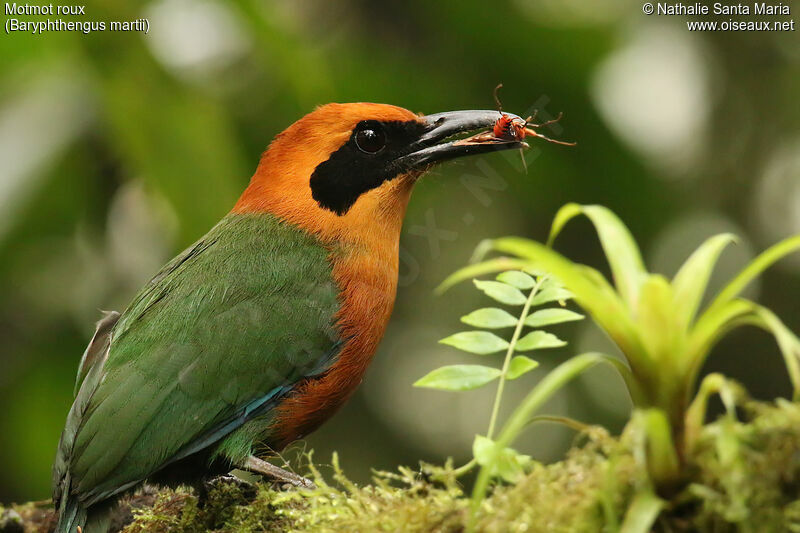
[[433, 146]]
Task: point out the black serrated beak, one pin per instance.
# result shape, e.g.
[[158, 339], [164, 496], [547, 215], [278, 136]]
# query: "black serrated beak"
[[430, 148]]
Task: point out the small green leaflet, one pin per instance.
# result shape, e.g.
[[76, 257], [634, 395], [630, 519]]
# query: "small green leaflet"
[[506, 463], [501, 292], [458, 377], [551, 294], [520, 365], [547, 317], [517, 279], [538, 339], [479, 342], [490, 317]]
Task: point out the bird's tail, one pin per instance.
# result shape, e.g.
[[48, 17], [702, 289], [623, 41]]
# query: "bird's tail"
[[75, 518], [72, 516]]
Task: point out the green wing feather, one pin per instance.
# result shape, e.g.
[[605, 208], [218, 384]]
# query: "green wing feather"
[[246, 312]]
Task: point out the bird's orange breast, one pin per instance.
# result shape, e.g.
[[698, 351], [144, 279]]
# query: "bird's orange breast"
[[363, 252], [368, 281], [364, 255]]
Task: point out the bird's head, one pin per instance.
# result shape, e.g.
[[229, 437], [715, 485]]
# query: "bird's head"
[[347, 170]]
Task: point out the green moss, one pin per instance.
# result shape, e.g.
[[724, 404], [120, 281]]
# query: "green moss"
[[744, 476], [749, 474]]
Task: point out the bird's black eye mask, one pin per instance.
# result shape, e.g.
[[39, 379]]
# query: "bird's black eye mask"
[[364, 162]]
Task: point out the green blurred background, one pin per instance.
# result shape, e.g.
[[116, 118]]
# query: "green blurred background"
[[119, 149]]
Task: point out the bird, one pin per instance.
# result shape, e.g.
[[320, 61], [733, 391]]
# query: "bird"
[[257, 333]]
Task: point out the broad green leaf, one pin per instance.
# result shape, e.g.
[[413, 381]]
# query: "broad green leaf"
[[535, 272], [498, 264], [501, 292], [758, 265], [690, 283], [618, 244], [490, 317], [551, 294], [538, 339], [458, 377], [547, 317], [519, 366], [642, 512], [517, 279], [506, 463], [479, 342]]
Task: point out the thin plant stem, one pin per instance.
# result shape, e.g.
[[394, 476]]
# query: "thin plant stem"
[[501, 385], [466, 468], [552, 382]]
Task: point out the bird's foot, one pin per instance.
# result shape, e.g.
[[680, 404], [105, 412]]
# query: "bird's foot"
[[258, 466], [203, 489], [232, 480]]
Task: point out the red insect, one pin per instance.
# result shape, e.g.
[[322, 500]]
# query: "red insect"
[[515, 129]]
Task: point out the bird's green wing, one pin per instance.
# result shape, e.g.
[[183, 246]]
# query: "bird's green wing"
[[227, 326]]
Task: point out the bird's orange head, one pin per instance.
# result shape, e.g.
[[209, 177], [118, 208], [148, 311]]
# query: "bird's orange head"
[[345, 171]]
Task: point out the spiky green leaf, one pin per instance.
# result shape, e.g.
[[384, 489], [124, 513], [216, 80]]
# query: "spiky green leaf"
[[788, 342], [720, 319], [618, 244], [689, 284], [658, 324], [758, 265]]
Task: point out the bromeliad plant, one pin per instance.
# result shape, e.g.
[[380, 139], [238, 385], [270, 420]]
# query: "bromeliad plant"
[[509, 289], [659, 326]]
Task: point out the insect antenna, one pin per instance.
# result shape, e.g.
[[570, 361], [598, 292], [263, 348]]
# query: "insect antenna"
[[551, 121], [529, 131], [497, 98]]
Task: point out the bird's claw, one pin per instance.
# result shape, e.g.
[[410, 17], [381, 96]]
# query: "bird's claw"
[[258, 466]]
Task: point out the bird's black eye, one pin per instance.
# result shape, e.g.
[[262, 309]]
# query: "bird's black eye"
[[370, 138]]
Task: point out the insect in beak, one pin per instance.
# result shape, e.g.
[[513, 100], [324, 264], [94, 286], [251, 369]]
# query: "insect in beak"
[[510, 128]]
